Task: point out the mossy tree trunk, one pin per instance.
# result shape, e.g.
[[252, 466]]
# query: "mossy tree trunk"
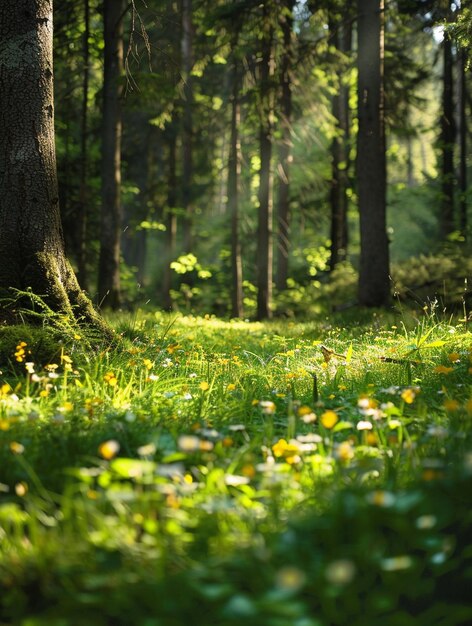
[[31, 242]]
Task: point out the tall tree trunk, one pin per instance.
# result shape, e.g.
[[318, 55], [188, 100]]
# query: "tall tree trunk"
[[138, 144], [463, 129], [448, 134], [187, 122], [285, 151], [374, 288], [233, 192], [83, 185], [111, 217], [341, 35], [265, 214], [31, 242], [170, 222]]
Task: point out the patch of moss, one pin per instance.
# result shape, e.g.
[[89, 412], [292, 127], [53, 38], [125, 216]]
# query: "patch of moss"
[[43, 346]]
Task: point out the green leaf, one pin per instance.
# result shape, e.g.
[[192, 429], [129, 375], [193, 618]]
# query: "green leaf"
[[349, 354], [342, 426], [435, 344]]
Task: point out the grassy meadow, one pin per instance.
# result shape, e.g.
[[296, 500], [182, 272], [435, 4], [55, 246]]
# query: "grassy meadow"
[[204, 472]]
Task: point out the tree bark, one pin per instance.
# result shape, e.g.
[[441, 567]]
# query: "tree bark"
[[32, 254], [170, 221], [463, 130], [82, 274], [447, 139], [285, 151], [374, 287], [341, 35], [265, 214], [233, 192], [187, 123], [111, 215]]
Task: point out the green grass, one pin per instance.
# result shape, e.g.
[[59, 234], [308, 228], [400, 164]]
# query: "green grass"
[[210, 472]]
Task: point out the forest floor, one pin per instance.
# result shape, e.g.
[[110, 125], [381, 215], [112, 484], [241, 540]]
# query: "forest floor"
[[210, 472]]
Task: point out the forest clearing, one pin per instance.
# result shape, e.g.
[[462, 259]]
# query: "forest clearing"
[[210, 472]]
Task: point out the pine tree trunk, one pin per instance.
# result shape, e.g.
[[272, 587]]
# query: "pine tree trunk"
[[265, 216], [170, 222], [448, 134], [31, 242], [374, 287], [82, 274], [111, 216], [463, 129], [234, 175], [341, 32], [285, 152], [187, 123]]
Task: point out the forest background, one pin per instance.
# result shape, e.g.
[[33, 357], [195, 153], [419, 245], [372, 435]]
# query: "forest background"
[[210, 150]]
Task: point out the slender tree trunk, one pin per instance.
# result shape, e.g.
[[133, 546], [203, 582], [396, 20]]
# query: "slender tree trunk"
[[111, 217], [448, 133], [83, 185], [138, 146], [265, 216], [410, 177], [371, 167], [170, 222], [31, 243], [285, 151], [233, 192], [187, 122], [341, 35], [463, 145]]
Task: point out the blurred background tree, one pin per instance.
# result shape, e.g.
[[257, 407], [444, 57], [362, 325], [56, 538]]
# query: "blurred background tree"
[[240, 130]]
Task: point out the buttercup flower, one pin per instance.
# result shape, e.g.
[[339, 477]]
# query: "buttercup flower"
[[329, 419]]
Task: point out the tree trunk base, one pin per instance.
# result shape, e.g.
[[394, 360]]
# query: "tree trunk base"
[[50, 293]]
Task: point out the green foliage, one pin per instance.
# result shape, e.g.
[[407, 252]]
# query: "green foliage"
[[241, 472]]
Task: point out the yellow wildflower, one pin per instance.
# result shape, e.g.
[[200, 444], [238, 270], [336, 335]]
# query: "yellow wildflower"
[[204, 386], [329, 419], [288, 450], [279, 447], [111, 379], [408, 395], [109, 449], [304, 410], [20, 352]]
